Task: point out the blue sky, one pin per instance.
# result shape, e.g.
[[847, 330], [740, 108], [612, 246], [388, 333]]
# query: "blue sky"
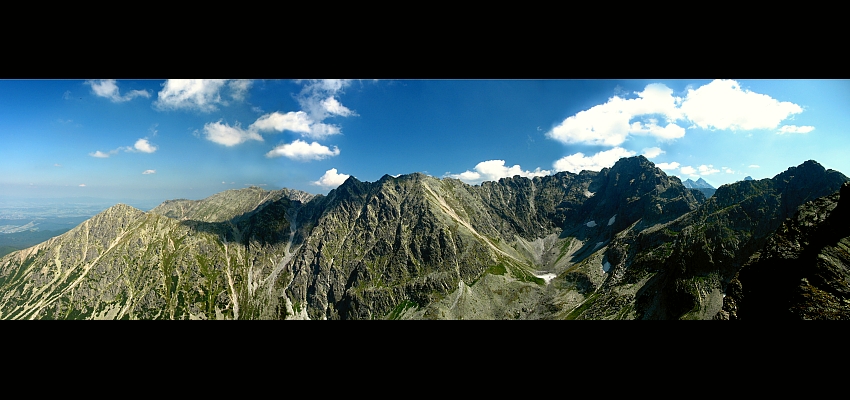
[[165, 139]]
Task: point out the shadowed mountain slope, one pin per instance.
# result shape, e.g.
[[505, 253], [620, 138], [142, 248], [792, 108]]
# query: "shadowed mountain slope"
[[625, 242]]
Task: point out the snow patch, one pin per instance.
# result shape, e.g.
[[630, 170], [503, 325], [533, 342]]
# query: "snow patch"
[[611, 221], [546, 277], [591, 224], [606, 267], [588, 193], [597, 245]]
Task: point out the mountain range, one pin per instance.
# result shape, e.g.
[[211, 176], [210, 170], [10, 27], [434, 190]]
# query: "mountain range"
[[700, 185], [626, 242]]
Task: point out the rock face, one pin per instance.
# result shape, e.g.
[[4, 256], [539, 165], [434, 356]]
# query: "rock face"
[[625, 242], [803, 270]]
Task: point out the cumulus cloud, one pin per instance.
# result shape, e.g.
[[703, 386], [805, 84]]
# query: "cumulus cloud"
[[668, 166], [144, 146], [301, 151], [317, 98], [239, 88], [493, 170], [727, 170], [722, 104], [295, 121], [794, 129], [149, 171], [610, 123], [707, 169], [109, 89], [578, 162], [332, 106], [651, 127], [688, 170], [204, 95], [229, 135], [100, 154], [652, 152], [331, 179]]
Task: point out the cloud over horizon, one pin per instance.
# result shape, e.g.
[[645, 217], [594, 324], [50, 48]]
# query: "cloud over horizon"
[[578, 162], [331, 179], [652, 152], [493, 170]]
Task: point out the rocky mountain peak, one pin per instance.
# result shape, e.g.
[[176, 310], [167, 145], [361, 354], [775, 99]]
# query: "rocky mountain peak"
[[122, 208], [806, 169]]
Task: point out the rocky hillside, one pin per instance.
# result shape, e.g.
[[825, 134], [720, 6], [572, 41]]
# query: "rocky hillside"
[[625, 242], [803, 270]]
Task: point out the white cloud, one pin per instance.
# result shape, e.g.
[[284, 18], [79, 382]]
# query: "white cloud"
[[493, 170], [331, 179], [301, 151], [609, 123], [317, 98], [668, 166], [652, 152], [722, 104], [577, 162], [334, 107], [320, 130], [688, 170], [149, 171], [295, 121], [239, 88], [229, 135], [141, 145], [109, 89], [82, 185], [100, 154], [144, 146], [707, 169], [754, 166], [669, 132], [199, 94], [57, 165], [794, 129]]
